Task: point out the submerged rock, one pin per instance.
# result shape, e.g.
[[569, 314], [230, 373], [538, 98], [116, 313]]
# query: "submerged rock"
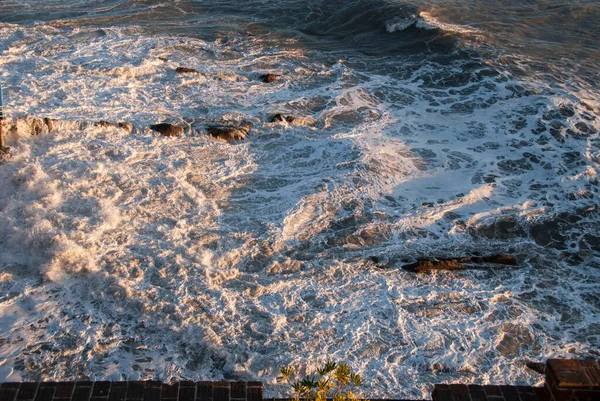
[[269, 78], [500, 227], [230, 133], [166, 129], [185, 70], [423, 265]]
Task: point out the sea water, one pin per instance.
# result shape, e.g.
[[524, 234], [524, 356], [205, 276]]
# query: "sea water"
[[435, 129]]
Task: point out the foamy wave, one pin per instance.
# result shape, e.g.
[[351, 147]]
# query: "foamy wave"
[[151, 257], [428, 22]]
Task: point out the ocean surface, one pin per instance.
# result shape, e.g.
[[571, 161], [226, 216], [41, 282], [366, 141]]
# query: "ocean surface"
[[425, 129]]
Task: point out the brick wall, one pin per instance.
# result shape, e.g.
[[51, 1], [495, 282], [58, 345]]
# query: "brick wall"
[[132, 391], [566, 380], [569, 379]]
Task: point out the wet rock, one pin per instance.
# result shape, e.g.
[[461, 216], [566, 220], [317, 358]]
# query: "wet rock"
[[426, 265], [50, 123], [166, 129], [423, 265], [269, 78], [379, 262], [277, 118], [38, 126], [185, 70], [105, 124], [549, 233], [497, 259], [539, 367], [4, 154], [513, 339], [501, 227], [126, 126], [230, 133]]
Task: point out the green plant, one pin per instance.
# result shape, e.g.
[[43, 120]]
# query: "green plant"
[[333, 380]]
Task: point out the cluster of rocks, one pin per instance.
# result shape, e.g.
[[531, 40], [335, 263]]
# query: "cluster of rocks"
[[266, 78], [226, 131]]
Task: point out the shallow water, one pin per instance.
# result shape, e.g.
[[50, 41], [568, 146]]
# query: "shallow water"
[[433, 130]]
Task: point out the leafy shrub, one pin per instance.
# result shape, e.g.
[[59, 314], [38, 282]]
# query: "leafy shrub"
[[333, 380]]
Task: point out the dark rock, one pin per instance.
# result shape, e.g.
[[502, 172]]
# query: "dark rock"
[[105, 124], [167, 129], [500, 260], [426, 265], [423, 265], [184, 70], [306, 121], [126, 126], [375, 259], [230, 133], [161, 58], [549, 234], [539, 367], [269, 78], [278, 118], [502, 227], [379, 263], [50, 122]]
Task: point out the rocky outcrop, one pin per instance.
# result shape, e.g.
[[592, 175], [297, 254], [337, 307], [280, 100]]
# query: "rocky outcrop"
[[539, 367], [269, 78], [166, 129], [126, 126], [230, 133], [21, 126], [279, 118], [500, 227], [423, 265], [105, 124], [185, 70]]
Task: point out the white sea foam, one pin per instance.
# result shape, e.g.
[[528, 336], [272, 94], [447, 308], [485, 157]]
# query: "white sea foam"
[[426, 21], [139, 256]]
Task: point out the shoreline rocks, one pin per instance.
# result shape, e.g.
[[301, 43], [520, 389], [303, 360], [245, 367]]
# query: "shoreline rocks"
[[185, 70], [168, 130], [423, 265], [279, 118], [269, 78], [107, 124], [230, 133]]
